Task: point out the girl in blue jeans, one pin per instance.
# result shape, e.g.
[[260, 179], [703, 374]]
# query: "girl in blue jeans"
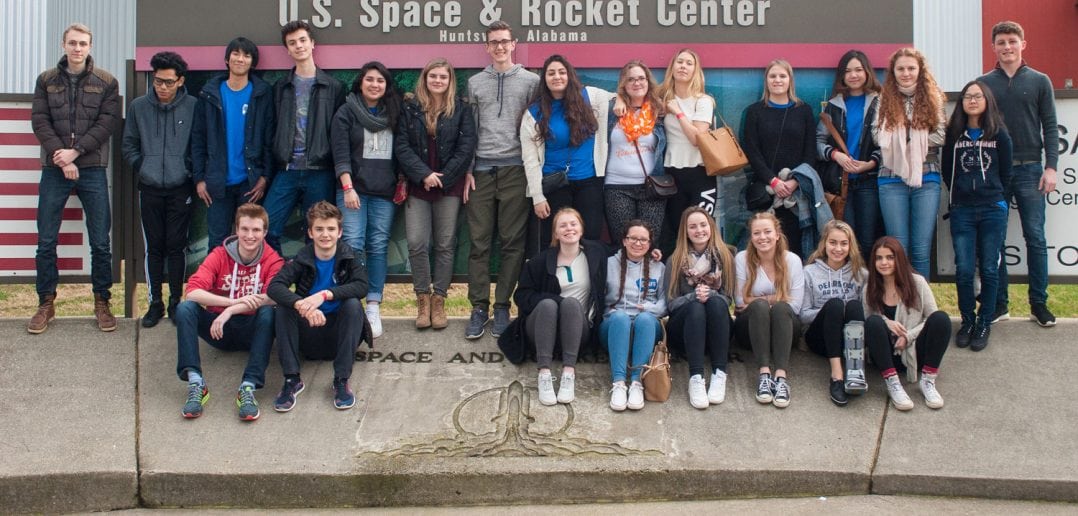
[[976, 164], [633, 305], [909, 129]]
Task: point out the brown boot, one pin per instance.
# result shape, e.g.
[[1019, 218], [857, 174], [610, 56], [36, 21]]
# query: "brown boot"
[[105, 320], [422, 320], [46, 312], [438, 320]]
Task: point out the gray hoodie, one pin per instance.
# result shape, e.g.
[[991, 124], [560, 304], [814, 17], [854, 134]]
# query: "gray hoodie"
[[823, 283], [500, 100], [653, 301], [156, 138]]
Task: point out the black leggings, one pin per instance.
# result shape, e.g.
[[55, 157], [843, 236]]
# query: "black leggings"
[[696, 326], [931, 343], [824, 335]]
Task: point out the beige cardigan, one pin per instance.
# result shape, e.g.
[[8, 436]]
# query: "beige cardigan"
[[533, 152], [912, 318]]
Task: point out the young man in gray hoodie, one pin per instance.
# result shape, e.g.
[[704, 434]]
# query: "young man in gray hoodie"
[[495, 198], [155, 144]]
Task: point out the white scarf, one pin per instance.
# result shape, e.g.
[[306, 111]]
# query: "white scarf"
[[904, 154]]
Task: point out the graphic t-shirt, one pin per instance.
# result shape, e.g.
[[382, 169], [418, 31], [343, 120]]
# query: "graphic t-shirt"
[[234, 105], [302, 87]]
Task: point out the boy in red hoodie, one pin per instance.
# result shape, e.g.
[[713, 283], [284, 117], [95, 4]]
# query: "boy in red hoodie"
[[228, 307]]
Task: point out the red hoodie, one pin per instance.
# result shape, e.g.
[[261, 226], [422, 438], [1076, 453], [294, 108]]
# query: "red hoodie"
[[223, 273]]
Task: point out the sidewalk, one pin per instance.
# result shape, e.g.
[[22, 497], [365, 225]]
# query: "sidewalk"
[[444, 421]]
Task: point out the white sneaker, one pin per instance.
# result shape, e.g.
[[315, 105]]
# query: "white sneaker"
[[716, 393], [567, 391], [374, 316], [546, 389], [928, 388], [618, 396], [636, 396], [697, 392], [898, 395]]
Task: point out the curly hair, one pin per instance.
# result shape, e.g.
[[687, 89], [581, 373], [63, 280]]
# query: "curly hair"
[[927, 98]]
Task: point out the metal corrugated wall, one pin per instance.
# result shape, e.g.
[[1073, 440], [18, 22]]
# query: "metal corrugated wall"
[[22, 55], [113, 24], [949, 34]]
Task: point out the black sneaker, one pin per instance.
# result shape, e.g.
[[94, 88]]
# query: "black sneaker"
[[961, 339], [1002, 313], [1039, 312], [287, 398], [501, 322], [838, 393], [765, 389], [153, 315], [476, 323], [979, 337], [170, 311]]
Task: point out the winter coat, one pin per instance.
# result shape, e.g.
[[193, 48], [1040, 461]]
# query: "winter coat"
[[327, 94], [83, 120], [455, 138], [377, 177], [349, 274]]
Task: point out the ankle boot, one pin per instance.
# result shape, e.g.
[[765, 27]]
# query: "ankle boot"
[[422, 319], [105, 320], [46, 312], [438, 320]]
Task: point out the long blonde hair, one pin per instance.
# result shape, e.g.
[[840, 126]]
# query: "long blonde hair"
[[696, 84], [716, 250], [752, 258], [785, 65], [857, 263], [435, 105]]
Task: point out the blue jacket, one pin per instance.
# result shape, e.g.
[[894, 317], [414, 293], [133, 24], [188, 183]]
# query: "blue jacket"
[[813, 212], [660, 137], [209, 143]]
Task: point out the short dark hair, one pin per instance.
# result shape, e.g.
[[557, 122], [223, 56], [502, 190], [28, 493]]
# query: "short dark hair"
[[243, 45], [293, 26], [323, 210], [1008, 27], [169, 61], [499, 25]]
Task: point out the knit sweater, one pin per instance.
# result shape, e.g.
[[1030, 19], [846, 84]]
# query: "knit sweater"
[[777, 138], [912, 318], [1029, 110]]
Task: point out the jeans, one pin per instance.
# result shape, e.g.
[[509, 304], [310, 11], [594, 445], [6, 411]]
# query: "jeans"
[[166, 217], [291, 187], [337, 340], [910, 216], [1023, 191], [220, 214], [366, 231], [92, 187], [863, 211], [977, 233], [243, 332], [426, 221], [498, 204], [614, 333]]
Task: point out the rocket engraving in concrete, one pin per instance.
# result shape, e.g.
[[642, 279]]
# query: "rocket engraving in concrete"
[[512, 435]]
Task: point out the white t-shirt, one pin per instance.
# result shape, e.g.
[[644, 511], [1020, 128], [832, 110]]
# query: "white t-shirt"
[[575, 281], [763, 285], [680, 153], [622, 165]]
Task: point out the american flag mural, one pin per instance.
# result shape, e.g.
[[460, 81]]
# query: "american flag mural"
[[20, 171]]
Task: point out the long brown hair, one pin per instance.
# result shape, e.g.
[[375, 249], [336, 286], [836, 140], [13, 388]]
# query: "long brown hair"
[[578, 113], [927, 97], [853, 257], [717, 252], [872, 85], [652, 96], [875, 289], [433, 105], [752, 257], [644, 287]]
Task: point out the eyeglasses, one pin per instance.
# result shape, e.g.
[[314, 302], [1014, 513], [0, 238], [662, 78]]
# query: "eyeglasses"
[[168, 83], [633, 80], [973, 98], [494, 43], [638, 240]]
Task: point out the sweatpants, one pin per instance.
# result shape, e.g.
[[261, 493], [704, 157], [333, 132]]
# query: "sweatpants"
[[166, 217], [337, 340], [697, 328], [769, 330], [552, 322], [824, 336], [931, 343]]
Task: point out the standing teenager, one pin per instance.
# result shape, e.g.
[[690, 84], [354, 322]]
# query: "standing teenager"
[[976, 164], [434, 145], [909, 129]]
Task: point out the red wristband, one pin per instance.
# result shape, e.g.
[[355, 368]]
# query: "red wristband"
[[325, 295], [680, 116], [773, 182], [347, 187]]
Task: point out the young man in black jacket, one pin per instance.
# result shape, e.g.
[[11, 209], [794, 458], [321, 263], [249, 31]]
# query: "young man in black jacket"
[[323, 318]]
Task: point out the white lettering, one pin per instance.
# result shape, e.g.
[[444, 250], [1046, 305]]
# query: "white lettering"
[[429, 13], [528, 10], [688, 14], [369, 17], [323, 18], [663, 15], [744, 13], [552, 13], [572, 13]]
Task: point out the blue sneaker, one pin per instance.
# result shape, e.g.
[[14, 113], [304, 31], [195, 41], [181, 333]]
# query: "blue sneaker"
[[246, 404], [476, 322], [501, 322], [197, 396], [342, 394], [287, 398]]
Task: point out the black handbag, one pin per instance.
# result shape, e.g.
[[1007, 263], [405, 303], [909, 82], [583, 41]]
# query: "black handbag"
[[656, 187], [555, 181]]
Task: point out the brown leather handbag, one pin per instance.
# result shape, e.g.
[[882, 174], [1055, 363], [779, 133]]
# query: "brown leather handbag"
[[721, 152], [656, 377]]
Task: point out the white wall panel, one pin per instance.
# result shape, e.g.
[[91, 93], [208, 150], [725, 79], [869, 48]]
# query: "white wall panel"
[[113, 25], [949, 34], [22, 47]]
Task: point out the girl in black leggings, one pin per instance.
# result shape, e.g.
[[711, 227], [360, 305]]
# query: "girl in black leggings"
[[904, 328]]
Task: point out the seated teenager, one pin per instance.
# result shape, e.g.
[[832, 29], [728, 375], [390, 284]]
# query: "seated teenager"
[[323, 318], [634, 306], [228, 307]]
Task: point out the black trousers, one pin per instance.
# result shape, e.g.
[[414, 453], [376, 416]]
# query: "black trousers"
[[698, 327], [931, 343], [586, 196], [166, 218], [337, 340], [824, 336]]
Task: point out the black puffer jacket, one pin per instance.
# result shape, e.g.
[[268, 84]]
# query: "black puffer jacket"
[[455, 137], [327, 95], [91, 113], [349, 274]]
